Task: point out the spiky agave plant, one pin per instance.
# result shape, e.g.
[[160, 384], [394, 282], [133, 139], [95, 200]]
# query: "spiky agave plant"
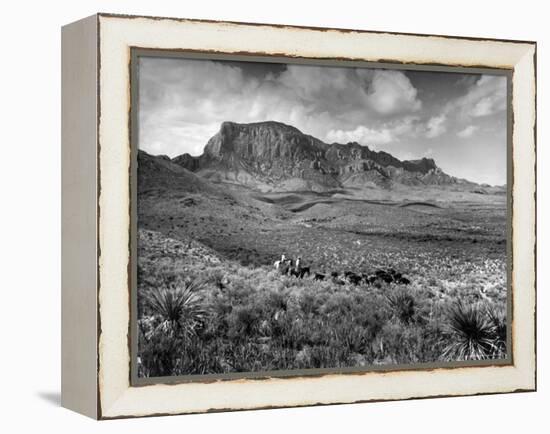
[[177, 309], [471, 332], [175, 315]]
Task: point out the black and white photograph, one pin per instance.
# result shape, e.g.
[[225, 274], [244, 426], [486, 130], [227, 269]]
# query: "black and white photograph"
[[242, 216], [295, 217]]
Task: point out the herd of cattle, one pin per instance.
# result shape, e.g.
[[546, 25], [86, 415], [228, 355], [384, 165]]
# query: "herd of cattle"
[[388, 275]]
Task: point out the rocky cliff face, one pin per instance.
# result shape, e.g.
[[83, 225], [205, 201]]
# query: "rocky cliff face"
[[272, 153]]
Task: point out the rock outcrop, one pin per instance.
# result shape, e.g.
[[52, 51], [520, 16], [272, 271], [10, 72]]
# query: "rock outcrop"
[[275, 154]]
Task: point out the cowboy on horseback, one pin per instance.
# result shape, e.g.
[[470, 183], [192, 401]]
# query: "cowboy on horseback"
[[283, 265], [280, 262], [298, 264], [299, 270]]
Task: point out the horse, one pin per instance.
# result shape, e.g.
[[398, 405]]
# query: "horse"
[[300, 272], [286, 267], [277, 264], [283, 266]]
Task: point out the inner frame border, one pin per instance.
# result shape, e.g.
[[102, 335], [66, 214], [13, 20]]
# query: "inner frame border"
[[137, 52]]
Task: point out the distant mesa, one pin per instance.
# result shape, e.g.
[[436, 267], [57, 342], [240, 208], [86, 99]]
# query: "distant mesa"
[[273, 155]]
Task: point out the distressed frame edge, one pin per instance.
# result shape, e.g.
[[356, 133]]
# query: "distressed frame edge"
[[528, 387], [304, 27]]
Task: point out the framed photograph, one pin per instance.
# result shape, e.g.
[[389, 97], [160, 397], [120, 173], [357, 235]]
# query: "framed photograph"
[[262, 216]]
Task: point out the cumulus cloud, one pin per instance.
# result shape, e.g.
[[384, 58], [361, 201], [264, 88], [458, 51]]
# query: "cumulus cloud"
[[436, 126], [362, 135], [389, 132], [183, 101], [483, 98], [483, 107], [385, 92], [391, 92], [467, 132]]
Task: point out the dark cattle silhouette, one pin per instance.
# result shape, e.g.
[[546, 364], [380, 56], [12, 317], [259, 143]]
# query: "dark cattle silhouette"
[[387, 275], [384, 275], [368, 279], [304, 271], [353, 278], [336, 279]]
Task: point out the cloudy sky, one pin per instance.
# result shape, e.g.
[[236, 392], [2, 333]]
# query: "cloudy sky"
[[457, 119]]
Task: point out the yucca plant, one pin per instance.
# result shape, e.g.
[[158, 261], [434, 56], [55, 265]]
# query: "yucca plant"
[[177, 309], [402, 304], [175, 316], [471, 332]]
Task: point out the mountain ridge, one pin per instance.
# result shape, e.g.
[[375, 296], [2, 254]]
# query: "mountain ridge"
[[271, 154]]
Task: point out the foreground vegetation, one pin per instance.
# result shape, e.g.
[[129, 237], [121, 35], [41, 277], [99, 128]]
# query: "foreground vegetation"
[[200, 316]]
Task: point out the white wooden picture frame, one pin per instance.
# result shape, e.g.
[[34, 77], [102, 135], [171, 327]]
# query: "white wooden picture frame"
[[97, 217]]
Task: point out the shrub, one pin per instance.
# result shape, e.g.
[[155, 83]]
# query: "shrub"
[[497, 318], [402, 304], [243, 321]]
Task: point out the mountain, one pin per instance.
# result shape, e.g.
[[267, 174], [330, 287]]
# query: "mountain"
[[275, 156], [160, 173]]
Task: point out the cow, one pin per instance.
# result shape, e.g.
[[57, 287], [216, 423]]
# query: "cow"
[[303, 271], [366, 278], [336, 279], [352, 278], [384, 275]]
